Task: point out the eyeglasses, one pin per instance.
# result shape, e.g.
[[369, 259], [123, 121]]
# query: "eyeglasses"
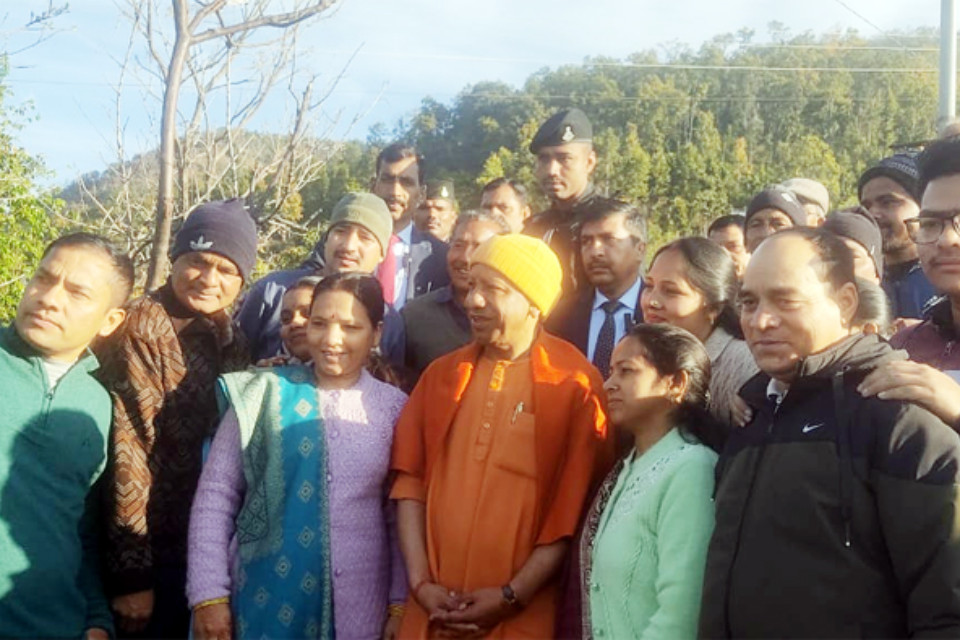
[[928, 229]]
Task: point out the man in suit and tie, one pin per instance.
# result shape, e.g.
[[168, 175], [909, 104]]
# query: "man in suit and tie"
[[415, 262], [612, 241]]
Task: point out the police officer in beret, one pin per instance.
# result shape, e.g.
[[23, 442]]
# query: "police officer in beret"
[[565, 163], [439, 210]]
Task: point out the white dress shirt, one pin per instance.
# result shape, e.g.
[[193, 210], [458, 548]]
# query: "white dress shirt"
[[400, 252]]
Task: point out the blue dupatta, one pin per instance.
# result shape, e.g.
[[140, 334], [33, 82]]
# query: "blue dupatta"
[[282, 586]]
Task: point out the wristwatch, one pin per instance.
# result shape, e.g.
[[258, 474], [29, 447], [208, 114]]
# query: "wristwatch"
[[510, 597]]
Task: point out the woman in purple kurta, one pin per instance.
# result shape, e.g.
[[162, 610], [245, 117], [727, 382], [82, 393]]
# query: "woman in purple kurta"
[[356, 417]]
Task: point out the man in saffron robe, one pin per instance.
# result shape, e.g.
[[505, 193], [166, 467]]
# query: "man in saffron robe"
[[495, 456]]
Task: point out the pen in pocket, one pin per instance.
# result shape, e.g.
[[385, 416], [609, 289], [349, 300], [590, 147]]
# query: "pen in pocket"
[[516, 412]]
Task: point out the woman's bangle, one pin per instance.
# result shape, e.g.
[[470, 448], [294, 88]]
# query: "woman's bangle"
[[210, 603], [395, 610]]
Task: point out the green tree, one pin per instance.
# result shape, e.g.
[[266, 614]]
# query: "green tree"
[[688, 133], [25, 224]]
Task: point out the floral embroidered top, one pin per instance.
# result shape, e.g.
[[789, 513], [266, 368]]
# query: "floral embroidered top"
[[367, 567], [652, 521]]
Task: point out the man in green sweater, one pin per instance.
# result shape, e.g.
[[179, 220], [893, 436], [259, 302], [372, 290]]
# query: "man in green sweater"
[[53, 440]]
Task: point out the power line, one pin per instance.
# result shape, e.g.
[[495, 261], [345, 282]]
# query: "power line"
[[627, 65], [864, 18], [687, 99], [839, 47], [706, 67], [415, 55], [684, 99]]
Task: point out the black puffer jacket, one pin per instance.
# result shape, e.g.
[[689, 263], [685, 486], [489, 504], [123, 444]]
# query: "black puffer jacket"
[[837, 515]]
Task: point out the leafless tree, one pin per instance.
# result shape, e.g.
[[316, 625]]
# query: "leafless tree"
[[217, 152], [40, 27], [207, 39]]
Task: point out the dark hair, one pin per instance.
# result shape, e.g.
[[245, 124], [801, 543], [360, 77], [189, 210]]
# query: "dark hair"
[[401, 151], [121, 262], [481, 215], [368, 292], [874, 306], [836, 259], [671, 350], [364, 287], [306, 282], [516, 185], [940, 159], [712, 272], [633, 217], [732, 220]]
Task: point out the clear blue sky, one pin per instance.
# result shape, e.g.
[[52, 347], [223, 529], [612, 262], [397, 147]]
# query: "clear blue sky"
[[409, 49]]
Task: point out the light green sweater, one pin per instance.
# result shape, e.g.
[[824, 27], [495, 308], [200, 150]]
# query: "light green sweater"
[[651, 544], [53, 446]]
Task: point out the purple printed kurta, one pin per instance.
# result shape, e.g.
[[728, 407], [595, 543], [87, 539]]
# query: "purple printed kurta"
[[367, 566]]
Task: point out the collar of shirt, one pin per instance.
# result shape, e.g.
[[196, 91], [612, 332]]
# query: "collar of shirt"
[[902, 270], [406, 234], [629, 299], [777, 391]]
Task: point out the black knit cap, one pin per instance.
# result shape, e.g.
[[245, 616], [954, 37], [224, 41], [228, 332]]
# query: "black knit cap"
[[223, 227], [569, 125], [901, 168], [858, 225], [781, 199]]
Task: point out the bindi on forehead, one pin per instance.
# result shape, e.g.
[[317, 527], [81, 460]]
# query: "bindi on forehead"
[[333, 315]]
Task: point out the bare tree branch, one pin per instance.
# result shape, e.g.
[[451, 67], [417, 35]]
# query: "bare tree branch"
[[279, 21]]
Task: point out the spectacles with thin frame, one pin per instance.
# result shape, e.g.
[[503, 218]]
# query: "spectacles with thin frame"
[[927, 229]]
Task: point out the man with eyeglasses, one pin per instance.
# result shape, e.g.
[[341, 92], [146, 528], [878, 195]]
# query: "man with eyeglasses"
[[930, 378]]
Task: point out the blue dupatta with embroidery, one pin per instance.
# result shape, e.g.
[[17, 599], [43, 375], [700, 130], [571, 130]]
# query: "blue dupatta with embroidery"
[[282, 586]]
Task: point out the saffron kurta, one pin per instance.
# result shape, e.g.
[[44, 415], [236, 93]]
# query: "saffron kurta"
[[504, 455]]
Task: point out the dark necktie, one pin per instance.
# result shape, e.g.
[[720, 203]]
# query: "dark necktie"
[[604, 347]]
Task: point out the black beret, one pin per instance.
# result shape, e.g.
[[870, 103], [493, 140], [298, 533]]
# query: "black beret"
[[440, 190], [781, 199], [569, 125], [858, 225]]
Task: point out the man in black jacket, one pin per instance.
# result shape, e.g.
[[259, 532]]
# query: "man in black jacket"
[[836, 514], [566, 160]]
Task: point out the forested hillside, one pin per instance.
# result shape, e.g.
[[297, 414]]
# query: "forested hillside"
[[691, 134]]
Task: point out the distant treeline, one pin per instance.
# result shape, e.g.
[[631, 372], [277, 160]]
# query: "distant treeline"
[[690, 134]]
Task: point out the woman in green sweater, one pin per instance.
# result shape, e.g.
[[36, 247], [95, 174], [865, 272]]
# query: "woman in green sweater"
[[644, 543]]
